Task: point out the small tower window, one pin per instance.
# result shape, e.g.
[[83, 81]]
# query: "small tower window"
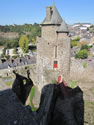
[[55, 64], [51, 12]]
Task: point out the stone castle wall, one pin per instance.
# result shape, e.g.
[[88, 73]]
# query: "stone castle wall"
[[21, 70], [49, 32], [46, 55], [82, 70]]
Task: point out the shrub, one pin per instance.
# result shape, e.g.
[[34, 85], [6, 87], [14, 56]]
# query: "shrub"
[[54, 81], [82, 54], [74, 43], [9, 83], [78, 38], [82, 43], [84, 65], [7, 57], [15, 50], [72, 84], [14, 57], [84, 47]]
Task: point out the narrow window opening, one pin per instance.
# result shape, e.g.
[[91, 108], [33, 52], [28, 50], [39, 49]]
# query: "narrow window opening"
[[51, 12], [55, 51], [55, 64]]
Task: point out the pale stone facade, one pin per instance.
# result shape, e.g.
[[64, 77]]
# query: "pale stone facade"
[[53, 48]]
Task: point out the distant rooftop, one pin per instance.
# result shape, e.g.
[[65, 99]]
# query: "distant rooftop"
[[82, 24]]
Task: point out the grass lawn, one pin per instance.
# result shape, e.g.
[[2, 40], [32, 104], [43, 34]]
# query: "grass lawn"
[[72, 84], [31, 97], [9, 83]]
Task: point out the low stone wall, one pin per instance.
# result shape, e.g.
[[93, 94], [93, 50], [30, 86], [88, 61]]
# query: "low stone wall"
[[21, 70], [82, 70]]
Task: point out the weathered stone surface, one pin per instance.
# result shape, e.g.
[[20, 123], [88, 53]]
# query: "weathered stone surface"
[[61, 105], [12, 111], [52, 47], [81, 73], [46, 105], [69, 110]]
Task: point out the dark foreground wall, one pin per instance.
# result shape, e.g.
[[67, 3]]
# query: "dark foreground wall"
[[59, 105], [12, 111]]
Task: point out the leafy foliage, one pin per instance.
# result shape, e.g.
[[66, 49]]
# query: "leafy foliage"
[[72, 84], [54, 81], [9, 43], [78, 38], [75, 41], [84, 65], [9, 83], [23, 43], [82, 54], [82, 43], [18, 28], [15, 51], [27, 29], [4, 52], [84, 47]]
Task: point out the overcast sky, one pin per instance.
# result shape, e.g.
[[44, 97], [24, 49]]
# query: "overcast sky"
[[31, 11]]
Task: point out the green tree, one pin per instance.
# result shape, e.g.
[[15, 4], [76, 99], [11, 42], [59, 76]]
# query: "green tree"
[[74, 43], [85, 47], [77, 38], [4, 52], [23, 43], [15, 50], [82, 54]]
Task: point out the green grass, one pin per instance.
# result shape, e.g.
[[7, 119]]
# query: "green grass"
[[54, 81], [0, 76], [7, 77], [89, 112], [9, 83], [32, 93], [92, 90], [72, 84], [89, 103], [84, 65]]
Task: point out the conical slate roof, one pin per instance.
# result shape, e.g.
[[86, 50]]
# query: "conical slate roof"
[[55, 17], [63, 28]]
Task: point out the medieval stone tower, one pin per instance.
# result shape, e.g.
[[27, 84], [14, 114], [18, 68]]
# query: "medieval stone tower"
[[53, 48]]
